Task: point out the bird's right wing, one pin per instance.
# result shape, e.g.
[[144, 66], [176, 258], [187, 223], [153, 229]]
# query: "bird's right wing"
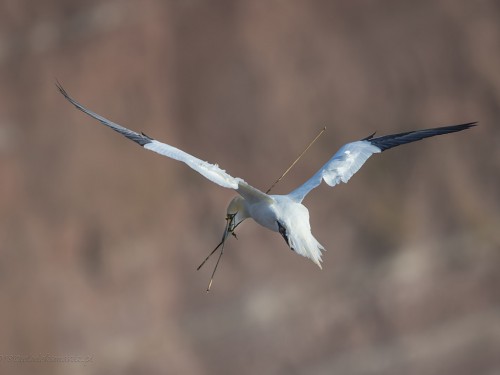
[[351, 157], [210, 171], [340, 168]]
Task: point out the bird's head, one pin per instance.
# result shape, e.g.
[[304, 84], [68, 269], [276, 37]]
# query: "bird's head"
[[237, 204]]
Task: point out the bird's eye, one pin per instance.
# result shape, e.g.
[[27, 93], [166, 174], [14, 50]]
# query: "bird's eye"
[[283, 232]]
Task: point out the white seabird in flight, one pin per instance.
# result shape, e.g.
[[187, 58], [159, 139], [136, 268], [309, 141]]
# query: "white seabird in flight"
[[280, 213]]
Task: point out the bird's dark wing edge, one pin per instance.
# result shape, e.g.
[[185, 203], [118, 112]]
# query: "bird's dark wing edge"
[[142, 139], [389, 141]]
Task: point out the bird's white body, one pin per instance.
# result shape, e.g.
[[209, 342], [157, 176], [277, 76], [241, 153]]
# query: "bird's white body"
[[269, 214], [295, 218], [284, 214]]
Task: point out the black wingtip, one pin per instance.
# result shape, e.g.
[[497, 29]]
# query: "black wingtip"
[[464, 126], [471, 124], [370, 136], [141, 139], [147, 136], [389, 141], [64, 93], [60, 88]]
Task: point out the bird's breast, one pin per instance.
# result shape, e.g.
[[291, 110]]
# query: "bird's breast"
[[264, 214]]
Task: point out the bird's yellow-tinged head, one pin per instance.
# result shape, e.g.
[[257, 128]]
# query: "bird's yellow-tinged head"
[[236, 212]]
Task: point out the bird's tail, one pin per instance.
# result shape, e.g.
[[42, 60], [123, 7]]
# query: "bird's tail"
[[307, 246]]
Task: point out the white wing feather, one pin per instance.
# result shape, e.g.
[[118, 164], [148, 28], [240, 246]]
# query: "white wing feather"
[[210, 171], [340, 168], [352, 156]]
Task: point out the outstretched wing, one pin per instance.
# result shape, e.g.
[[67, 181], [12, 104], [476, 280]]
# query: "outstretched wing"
[[349, 159], [210, 171]]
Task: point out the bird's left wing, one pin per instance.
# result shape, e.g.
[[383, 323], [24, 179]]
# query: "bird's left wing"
[[350, 158], [210, 171]]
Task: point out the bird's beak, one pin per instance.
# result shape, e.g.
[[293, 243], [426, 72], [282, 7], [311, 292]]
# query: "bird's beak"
[[231, 225]]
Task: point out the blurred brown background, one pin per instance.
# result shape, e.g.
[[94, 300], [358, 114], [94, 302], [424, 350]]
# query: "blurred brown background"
[[100, 240]]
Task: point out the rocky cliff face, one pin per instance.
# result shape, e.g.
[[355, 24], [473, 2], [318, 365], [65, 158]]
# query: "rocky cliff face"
[[99, 240]]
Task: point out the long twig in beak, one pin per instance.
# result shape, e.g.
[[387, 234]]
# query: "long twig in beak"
[[296, 160], [209, 255], [215, 268], [224, 237], [229, 229]]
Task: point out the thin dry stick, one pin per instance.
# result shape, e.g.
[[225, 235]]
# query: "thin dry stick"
[[215, 268], [227, 231], [296, 160], [209, 255], [224, 237]]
